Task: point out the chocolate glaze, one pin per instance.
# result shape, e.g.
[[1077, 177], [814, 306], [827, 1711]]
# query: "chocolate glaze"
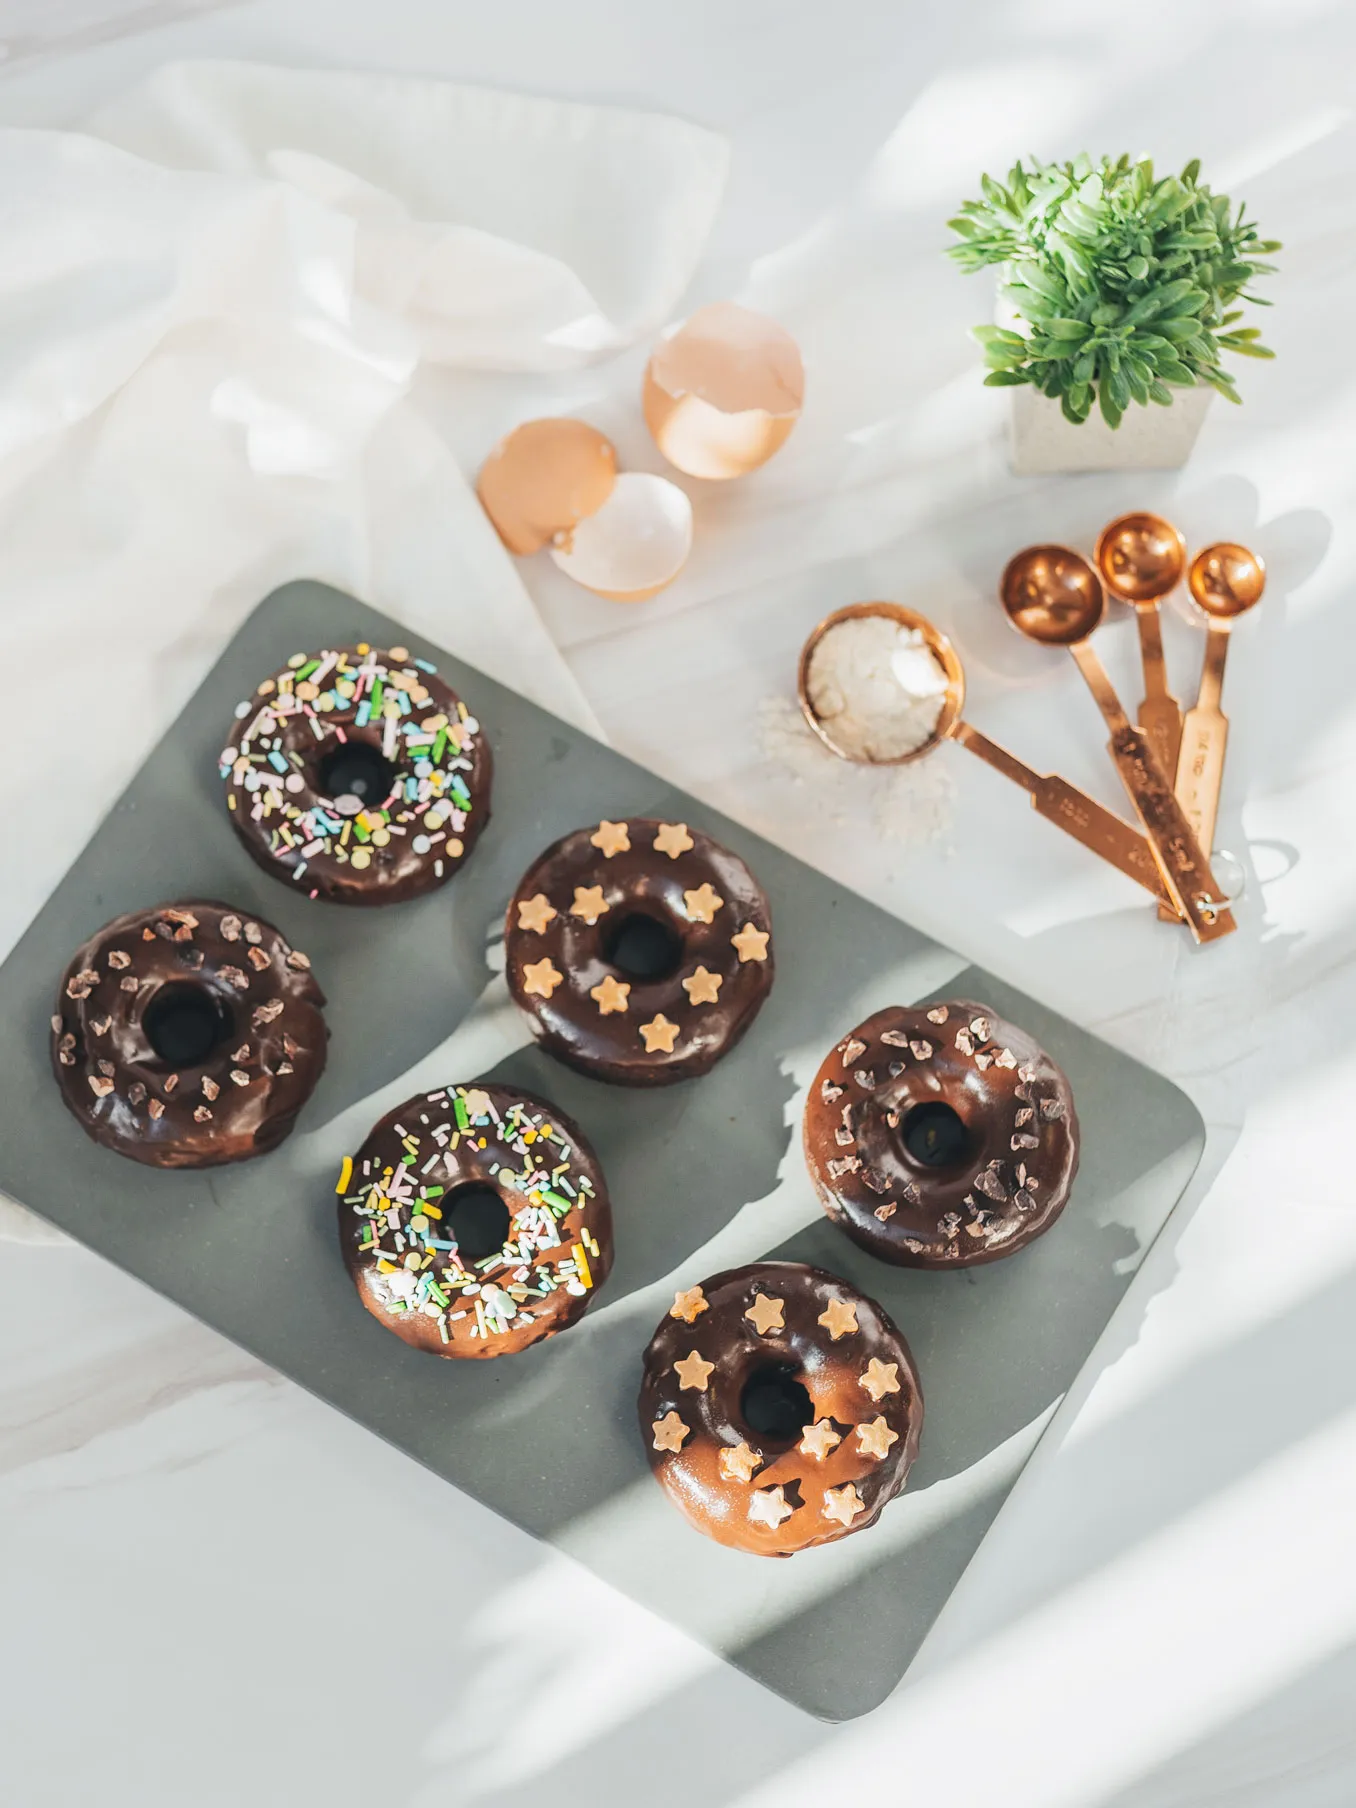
[[642, 879], [1009, 1183], [240, 1099], [717, 1498], [417, 856], [397, 1200]]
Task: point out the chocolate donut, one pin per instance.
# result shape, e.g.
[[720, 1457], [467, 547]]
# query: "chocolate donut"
[[641, 951], [358, 775], [939, 1136], [780, 1408], [475, 1221], [188, 1036]]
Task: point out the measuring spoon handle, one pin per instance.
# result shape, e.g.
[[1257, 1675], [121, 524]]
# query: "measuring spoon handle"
[[1186, 870], [1070, 809]]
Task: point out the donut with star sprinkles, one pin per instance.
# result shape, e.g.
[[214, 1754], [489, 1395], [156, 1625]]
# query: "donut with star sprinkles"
[[779, 1408], [640, 950], [939, 1136], [475, 1221], [357, 775], [188, 1036]]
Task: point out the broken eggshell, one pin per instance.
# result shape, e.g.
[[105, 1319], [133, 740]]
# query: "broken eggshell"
[[635, 544], [722, 393], [543, 479], [555, 483]]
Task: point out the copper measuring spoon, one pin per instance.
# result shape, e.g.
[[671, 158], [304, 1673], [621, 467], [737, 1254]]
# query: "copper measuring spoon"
[[1142, 559], [1052, 595], [1225, 581], [1058, 801]]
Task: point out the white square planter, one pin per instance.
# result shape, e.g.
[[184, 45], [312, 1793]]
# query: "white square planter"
[[1148, 439]]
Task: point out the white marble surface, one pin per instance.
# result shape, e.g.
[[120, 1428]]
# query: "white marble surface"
[[1164, 1615]]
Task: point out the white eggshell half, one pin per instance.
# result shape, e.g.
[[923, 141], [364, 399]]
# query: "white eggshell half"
[[636, 543]]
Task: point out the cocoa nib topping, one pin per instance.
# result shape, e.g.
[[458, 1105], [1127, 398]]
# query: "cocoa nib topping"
[[938, 1014], [235, 977], [136, 1093], [922, 1051], [99, 1086], [81, 984], [253, 934], [156, 1108], [865, 1078], [258, 959], [210, 1089], [894, 1038], [887, 1210], [265, 1013], [302, 962], [1052, 1109], [851, 1050], [119, 959], [230, 929], [829, 1092]]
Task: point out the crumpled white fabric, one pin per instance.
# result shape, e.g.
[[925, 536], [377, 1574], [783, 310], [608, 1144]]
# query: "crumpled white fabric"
[[212, 307]]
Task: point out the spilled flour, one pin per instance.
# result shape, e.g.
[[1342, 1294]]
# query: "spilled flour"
[[909, 803]]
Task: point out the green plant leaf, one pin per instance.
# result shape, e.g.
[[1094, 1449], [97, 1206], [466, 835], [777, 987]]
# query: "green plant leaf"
[[1111, 411], [1063, 328], [1006, 379]]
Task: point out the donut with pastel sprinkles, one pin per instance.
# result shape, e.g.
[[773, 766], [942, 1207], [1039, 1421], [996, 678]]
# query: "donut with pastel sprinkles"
[[357, 776], [640, 950], [474, 1221], [779, 1408]]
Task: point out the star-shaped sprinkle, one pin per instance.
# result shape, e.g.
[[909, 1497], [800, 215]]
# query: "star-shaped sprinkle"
[[881, 1378], [820, 1438], [535, 913], [843, 1504], [659, 1034], [838, 1318], [702, 987], [588, 903], [739, 1464], [611, 995], [875, 1438], [477, 1102], [751, 943], [672, 839], [687, 1305], [611, 838], [703, 903], [765, 1314], [693, 1371], [768, 1506], [541, 978], [669, 1432]]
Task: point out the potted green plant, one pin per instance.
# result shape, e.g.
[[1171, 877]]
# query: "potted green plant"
[[1115, 304]]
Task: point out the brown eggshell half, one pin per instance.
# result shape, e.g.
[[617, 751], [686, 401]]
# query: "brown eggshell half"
[[722, 394], [544, 479]]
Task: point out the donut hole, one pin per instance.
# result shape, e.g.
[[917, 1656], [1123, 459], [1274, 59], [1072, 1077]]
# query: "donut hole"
[[185, 1023], [477, 1219], [356, 775], [775, 1404], [642, 947], [935, 1136]]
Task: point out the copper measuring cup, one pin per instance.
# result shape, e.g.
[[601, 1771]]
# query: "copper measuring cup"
[[1225, 580], [1142, 558], [1052, 595], [1059, 802]]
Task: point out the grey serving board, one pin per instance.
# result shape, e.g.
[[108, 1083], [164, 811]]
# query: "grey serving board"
[[702, 1174]]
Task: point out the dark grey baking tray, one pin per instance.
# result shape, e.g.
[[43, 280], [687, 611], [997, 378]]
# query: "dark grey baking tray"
[[702, 1175]]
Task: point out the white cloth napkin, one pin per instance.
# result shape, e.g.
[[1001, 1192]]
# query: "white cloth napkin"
[[212, 307]]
